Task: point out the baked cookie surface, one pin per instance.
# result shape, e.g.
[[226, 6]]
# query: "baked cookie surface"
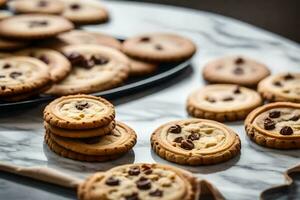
[[195, 142], [37, 6], [281, 87], [222, 102], [275, 125], [140, 181], [79, 112], [33, 26], [235, 70], [95, 68], [141, 68], [159, 47]]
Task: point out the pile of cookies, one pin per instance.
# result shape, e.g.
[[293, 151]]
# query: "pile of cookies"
[[83, 127]]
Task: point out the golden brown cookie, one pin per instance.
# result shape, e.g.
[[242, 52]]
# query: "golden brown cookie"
[[238, 70], [37, 6], [195, 142], [141, 68], [33, 26], [140, 181], [79, 112], [59, 65], [80, 133], [95, 68], [222, 102], [275, 125], [159, 47], [73, 155], [281, 87], [85, 11], [119, 141]]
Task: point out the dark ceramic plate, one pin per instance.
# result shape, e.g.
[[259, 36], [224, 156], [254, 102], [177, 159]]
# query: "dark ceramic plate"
[[166, 71]]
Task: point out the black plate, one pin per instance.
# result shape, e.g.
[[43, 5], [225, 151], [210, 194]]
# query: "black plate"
[[165, 71]]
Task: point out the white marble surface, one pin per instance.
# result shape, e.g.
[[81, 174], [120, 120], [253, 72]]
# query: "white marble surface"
[[242, 178]]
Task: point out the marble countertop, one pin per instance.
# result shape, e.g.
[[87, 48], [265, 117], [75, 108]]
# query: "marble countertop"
[[242, 178]]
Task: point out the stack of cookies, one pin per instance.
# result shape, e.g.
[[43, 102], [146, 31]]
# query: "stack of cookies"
[[83, 127]]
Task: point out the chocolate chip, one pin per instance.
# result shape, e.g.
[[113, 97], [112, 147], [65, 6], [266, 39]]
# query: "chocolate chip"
[[175, 129], [288, 77], [238, 71], [99, 60], [156, 193], [44, 58], [239, 61], [133, 196], [75, 6], [112, 181], [145, 39], [227, 99], [237, 90], [277, 83], [3, 87], [42, 4], [143, 183], [6, 66], [286, 130], [82, 105], [2, 76], [15, 75], [210, 99], [75, 58], [295, 118], [146, 169], [269, 124], [91, 140], [178, 139], [187, 144], [158, 47], [194, 136], [134, 171], [33, 24], [274, 114]]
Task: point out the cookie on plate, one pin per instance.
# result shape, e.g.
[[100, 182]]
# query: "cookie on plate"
[[20, 75], [140, 181], [159, 47], [33, 26], [85, 12], [195, 142], [95, 68], [275, 125], [281, 87], [79, 112], [141, 68], [222, 102], [59, 65], [235, 70], [36, 6]]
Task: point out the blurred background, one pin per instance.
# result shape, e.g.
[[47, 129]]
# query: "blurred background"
[[278, 16]]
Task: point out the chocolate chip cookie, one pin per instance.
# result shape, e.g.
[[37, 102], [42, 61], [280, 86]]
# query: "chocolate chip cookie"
[[281, 87], [140, 181], [195, 142], [95, 68], [141, 68], [59, 65], [79, 112], [222, 102], [236, 70], [275, 125], [33, 26], [37, 6], [159, 47]]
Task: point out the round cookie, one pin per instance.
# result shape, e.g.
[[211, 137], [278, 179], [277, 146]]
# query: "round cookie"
[[80, 133], [159, 47], [222, 102], [95, 68], [19, 75], [275, 125], [79, 112], [85, 12], [119, 141], [33, 26], [37, 6], [141, 68], [140, 181], [59, 65], [281, 87], [195, 142], [73, 155], [8, 45], [236, 70]]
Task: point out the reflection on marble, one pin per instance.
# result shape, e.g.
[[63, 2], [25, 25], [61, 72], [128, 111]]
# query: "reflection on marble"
[[242, 178]]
